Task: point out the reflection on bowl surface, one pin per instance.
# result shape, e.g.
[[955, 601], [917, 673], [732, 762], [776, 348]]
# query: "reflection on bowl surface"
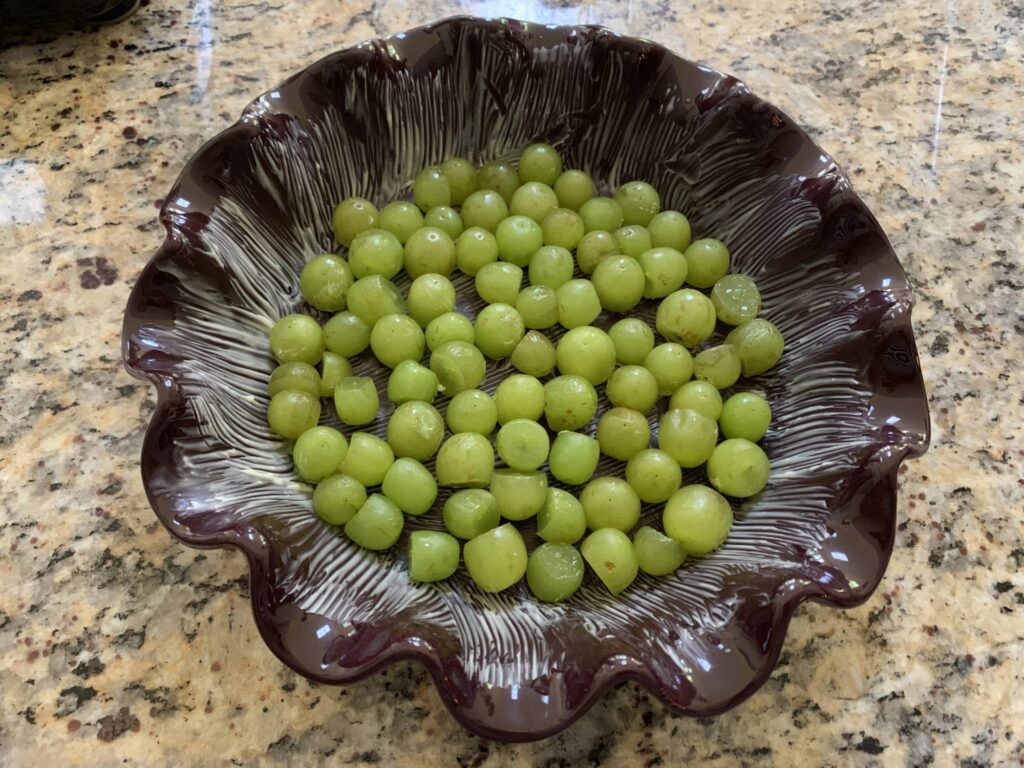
[[254, 204]]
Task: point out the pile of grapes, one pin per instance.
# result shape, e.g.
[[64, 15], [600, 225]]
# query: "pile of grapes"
[[582, 254]]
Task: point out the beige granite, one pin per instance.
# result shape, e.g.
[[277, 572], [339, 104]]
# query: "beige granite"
[[119, 646]]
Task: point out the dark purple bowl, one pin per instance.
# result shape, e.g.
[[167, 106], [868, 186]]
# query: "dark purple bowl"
[[255, 203]]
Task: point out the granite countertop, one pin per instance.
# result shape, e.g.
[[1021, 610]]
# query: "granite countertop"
[[119, 645]]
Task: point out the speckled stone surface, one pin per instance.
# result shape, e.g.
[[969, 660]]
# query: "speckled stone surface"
[[120, 646]]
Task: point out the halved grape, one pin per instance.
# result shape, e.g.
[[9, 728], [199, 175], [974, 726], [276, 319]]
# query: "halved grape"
[[561, 519], [411, 486], [738, 467], [554, 572], [352, 216], [656, 553], [325, 281], [433, 556], [465, 460], [610, 502], [719, 366], [470, 512], [573, 457], [377, 525], [297, 339], [368, 458], [534, 354], [519, 495], [736, 299], [496, 559], [610, 554], [687, 437], [698, 518]]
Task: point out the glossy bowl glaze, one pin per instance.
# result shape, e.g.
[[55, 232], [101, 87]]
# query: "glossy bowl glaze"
[[254, 204]]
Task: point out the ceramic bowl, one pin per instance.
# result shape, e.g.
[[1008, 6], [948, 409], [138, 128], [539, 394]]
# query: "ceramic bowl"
[[254, 204]]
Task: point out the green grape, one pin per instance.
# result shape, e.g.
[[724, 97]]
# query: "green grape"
[[634, 387], [523, 444], [639, 201], [533, 200], [686, 316], [498, 283], [335, 368], [601, 213], [633, 340], [707, 261], [570, 402], [736, 299], [396, 338], [471, 512], [562, 227], [573, 458], [538, 306], [719, 366], [401, 219], [459, 366], [446, 219], [611, 556], [619, 282], [415, 430], [698, 518], [352, 216], [368, 459], [461, 177], [499, 328], [433, 556], [429, 249], [633, 240], [738, 467], [325, 281], [411, 486], [595, 246], [687, 437], [297, 339], [672, 366], [298, 376], [656, 553], [318, 452], [337, 498], [746, 415], [347, 334], [534, 354], [375, 252], [475, 249], [496, 559], [499, 176], [759, 344], [377, 525], [670, 229], [518, 238], [431, 188], [578, 303], [573, 189], [430, 296], [356, 400], [664, 271], [698, 396], [519, 397], [554, 572], [292, 412], [412, 381], [540, 162], [484, 209], [588, 352], [372, 297], [654, 475], [551, 265], [622, 433], [472, 411], [451, 326], [519, 495], [561, 520], [465, 460]]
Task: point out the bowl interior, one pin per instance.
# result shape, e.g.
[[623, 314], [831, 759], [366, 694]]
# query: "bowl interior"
[[255, 205]]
